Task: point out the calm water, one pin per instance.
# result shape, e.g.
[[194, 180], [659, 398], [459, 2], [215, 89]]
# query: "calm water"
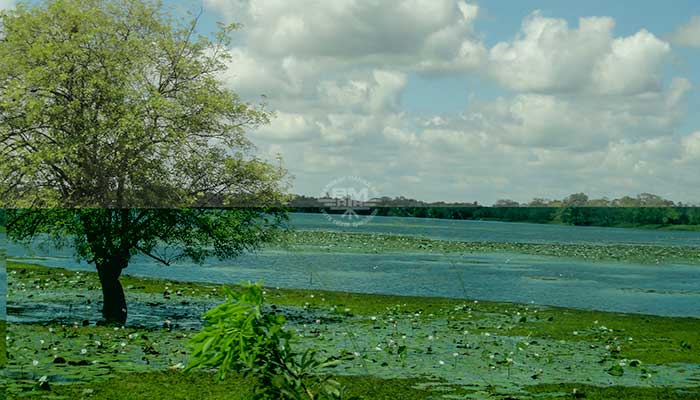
[[662, 290], [491, 231]]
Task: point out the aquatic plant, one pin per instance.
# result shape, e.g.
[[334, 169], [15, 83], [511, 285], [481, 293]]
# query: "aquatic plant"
[[239, 336]]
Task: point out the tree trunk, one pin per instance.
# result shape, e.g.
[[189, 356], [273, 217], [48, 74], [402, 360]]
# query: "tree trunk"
[[114, 302]]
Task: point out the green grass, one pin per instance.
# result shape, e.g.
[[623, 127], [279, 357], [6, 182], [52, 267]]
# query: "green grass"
[[174, 385], [659, 342], [378, 243], [568, 391], [3, 344], [181, 386], [655, 339]]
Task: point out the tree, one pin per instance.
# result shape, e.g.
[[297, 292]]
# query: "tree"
[[626, 201], [602, 202], [110, 238], [113, 104], [506, 203], [653, 200], [114, 128], [3, 292], [576, 200], [538, 202]]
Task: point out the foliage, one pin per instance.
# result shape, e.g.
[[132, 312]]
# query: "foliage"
[[240, 337], [115, 103], [110, 238], [166, 235], [657, 341], [570, 215], [116, 107]]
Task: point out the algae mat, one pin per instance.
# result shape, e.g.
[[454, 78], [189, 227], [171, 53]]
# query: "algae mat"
[[482, 349]]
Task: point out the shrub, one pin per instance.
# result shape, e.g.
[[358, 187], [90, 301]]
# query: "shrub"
[[239, 336]]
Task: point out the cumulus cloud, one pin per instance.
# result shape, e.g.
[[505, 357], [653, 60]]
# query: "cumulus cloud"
[[687, 34], [424, 35], [525, 145], [581, 109], [691, 147], [633, 64], [549, 56], [287, 127], [381, 92], [582, 122]]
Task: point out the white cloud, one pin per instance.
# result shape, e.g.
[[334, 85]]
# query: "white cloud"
[[687, 34], [423, 35], [576, 122], [380, 93], [633, 65], [549, 56], [691, 147], [252, 76], [589, 111], [6, 4], [287, 127]]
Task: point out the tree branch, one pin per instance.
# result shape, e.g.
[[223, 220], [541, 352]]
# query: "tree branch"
[[153, 256]]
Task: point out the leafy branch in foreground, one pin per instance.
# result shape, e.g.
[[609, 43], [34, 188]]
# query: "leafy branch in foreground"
[[238, 336]]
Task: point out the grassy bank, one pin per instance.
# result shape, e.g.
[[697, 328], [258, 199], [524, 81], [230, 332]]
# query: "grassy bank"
[[377, 243], [455, 347], [640, 217], [3, 344]]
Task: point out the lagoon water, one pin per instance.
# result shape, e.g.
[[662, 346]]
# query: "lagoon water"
[[672, 290], [494, 231]]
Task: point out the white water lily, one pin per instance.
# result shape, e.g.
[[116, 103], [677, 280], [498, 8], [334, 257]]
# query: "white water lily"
[[177, 366]]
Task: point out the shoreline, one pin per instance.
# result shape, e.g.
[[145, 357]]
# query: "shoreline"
[[373, 243], [553, 339]]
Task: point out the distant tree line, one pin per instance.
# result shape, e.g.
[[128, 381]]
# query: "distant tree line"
[[573, 200], [582, 200], [577, 209]]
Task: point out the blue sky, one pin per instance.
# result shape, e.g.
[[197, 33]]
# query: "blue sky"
[[543, 104], [463, 100], [539, 106]]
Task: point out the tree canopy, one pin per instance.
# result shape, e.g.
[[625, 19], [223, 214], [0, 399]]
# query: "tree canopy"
[[115, 103], [116, 134]]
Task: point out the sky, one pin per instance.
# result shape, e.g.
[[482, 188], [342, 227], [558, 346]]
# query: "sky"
[[463, 100]]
